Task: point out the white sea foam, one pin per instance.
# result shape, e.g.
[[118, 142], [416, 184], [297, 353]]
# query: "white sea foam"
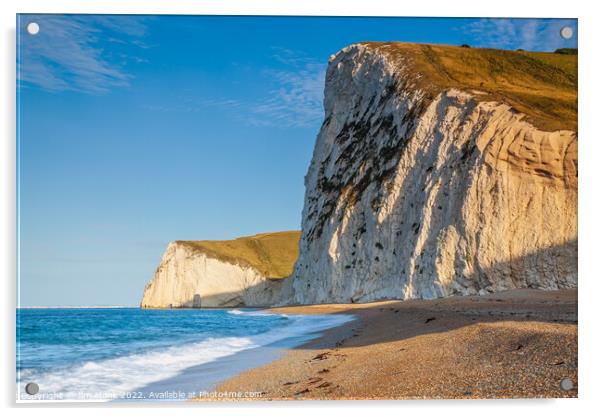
[[121, 377], [257, 313], [235, 312]]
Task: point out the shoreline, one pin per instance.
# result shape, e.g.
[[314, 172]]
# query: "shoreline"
[[184, 355], [514, 344], [203, 377]]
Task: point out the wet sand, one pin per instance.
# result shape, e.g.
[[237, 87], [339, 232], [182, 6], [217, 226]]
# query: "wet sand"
[[515, 344]]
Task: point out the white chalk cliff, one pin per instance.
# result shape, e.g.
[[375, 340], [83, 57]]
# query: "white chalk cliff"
[[414, 191], [409, 196], [247, 271]]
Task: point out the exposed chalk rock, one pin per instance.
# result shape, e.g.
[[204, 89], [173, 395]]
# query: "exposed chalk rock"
[[415, 194], [438, 171], [249, 271]]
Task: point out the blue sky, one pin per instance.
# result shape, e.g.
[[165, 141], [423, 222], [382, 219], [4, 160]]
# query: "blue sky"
[[138, 130]]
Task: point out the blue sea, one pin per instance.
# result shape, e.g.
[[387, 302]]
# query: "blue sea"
[[102, 354]]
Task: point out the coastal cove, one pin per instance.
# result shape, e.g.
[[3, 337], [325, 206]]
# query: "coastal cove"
[[349, 208]]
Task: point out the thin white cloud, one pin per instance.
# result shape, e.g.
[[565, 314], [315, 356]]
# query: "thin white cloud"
[[67, 53], [528, 34], [294, 98], [193, 105]]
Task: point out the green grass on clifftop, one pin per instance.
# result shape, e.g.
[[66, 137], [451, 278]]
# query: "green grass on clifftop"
[[541, 85], [273, 254]]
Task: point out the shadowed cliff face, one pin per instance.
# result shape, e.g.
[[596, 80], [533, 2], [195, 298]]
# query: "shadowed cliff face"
[[417, 196], [280, 290]]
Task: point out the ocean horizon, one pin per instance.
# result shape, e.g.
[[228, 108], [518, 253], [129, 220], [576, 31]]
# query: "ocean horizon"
[[129, 353]]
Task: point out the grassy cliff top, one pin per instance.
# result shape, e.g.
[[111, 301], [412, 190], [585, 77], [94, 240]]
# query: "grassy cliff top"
[[541, 85], [273, 254]]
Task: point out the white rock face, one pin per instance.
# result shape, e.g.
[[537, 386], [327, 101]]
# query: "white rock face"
[[413, 198], [189, 278]]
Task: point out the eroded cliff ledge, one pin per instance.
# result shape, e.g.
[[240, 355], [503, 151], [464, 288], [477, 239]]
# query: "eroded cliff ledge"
[[440, 171], [248, 271]]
